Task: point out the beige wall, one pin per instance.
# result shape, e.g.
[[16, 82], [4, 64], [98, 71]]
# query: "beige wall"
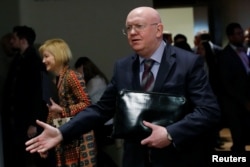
[[178, 20], [185, 20]]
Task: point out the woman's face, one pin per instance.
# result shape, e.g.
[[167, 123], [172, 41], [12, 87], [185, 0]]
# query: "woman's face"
[[49, 61]]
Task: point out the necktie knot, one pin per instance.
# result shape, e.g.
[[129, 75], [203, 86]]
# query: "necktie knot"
[[148, 63]]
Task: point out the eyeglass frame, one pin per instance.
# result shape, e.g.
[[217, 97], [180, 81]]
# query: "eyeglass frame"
[[136, 27]]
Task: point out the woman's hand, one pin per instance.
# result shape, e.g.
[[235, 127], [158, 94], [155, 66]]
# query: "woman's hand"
[[32, 131], [55, 109]]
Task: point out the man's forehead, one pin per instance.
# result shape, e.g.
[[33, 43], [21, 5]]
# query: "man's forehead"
[[136, 19]]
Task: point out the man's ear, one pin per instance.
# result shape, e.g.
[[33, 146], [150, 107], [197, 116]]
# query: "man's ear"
[[159, 29]]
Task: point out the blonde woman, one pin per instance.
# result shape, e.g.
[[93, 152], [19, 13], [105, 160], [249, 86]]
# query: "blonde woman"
[[73, 99]]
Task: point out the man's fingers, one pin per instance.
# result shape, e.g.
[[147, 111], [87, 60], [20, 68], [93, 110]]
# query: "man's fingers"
[[148, 124], [42, 124], [30, 142], [31, 148], [34, 146], [51, 100], [145, 141]]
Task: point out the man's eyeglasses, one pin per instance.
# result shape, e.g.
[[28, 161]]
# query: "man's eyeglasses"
[[136, 27]]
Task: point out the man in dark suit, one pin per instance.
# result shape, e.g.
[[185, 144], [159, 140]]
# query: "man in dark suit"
[[184, 143], [23, 98], [235, 87]]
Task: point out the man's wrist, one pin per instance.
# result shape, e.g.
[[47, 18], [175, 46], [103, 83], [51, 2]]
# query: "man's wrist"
[[60, 136]]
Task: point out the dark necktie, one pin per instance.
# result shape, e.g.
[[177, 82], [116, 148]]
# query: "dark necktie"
[[147, 76]]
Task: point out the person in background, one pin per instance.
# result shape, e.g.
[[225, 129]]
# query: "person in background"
[[247, 40], [72, 100], [22, 97], [235, 87], [211, 52], [206, 36], [96, 83], [167, 36], [180, 41], [205, 50], [197, 39], [6, 45], [6, 55], [175, 71], [211, 66], [180, 38]]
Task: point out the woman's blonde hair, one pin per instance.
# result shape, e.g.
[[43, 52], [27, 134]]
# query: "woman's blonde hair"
[[59, 49]]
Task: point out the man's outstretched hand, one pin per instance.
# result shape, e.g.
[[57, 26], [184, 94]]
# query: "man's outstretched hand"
[[48, 139]]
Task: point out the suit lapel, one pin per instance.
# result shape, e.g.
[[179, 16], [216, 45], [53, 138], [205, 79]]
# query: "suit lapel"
[[136, 73], [236, 57], [167, 62]]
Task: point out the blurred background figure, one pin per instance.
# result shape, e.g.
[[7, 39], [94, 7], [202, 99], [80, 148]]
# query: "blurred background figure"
[[6, 45], [197, 39], [206, 36], [247, 40], [211, 65], [180, 41], [247, 36], [22, 97], [6, 56], [235, 86], [167, 37], [210, 52], [96, 83]]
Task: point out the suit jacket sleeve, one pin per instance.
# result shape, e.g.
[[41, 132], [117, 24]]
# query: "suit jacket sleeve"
[[93, 116], [200, 119]]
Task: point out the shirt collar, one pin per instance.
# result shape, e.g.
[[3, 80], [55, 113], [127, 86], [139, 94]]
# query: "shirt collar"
[[157, 55]]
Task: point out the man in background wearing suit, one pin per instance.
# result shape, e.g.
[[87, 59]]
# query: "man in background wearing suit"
[[235, 87], [175, 71], [23, 98]]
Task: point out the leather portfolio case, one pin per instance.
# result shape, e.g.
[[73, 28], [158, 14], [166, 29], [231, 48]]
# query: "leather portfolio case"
[[133, 107]]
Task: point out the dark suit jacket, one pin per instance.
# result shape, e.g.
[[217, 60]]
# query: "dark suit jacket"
[[234, 79], [235, 93], [23, 89], [181, 73]]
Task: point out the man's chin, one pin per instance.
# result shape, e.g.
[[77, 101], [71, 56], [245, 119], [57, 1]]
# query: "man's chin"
[[137, 49]]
